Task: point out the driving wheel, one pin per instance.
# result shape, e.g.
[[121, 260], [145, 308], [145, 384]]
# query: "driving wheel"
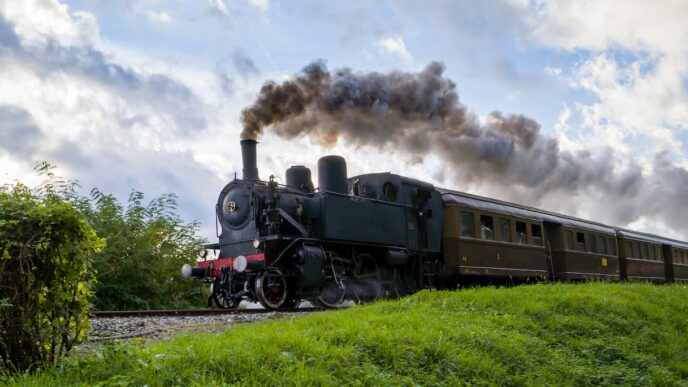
[[271, 289], [366, 284]]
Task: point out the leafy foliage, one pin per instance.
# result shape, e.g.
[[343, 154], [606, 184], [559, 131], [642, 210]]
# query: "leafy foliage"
[[46, 247], [147, 244]]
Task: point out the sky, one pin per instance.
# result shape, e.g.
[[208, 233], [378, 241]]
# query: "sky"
[[147, 95]]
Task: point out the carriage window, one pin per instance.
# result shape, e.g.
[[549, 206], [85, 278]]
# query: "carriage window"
[[486, 227], [467, 225], [644, 251], [652, 253], [593, 246], [390, 192], [536, 232], [580, 241], [636, 250], [603, 245], [629, 249], [568, 235], [612, 246], [658, 253], [505, 229], [521, 233]]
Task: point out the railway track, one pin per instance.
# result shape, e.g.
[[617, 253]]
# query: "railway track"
[[193, 312]]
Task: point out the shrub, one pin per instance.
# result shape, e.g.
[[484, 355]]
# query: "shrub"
[[46, 248], [147, 245]]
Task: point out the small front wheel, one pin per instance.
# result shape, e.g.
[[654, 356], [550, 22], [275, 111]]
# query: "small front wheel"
[[221, 295]]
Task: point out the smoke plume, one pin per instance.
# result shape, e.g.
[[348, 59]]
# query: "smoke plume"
[[420, 114]]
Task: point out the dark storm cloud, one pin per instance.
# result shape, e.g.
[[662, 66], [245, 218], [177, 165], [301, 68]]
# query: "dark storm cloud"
[[19, 135], [419, 114]]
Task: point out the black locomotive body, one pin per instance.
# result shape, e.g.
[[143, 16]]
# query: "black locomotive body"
[[381, 235], [354, 238]]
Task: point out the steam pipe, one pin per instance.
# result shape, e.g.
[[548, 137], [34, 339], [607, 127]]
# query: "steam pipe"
[[249, 158]]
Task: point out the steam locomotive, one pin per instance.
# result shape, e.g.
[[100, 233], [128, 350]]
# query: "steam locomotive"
[[384, 235]]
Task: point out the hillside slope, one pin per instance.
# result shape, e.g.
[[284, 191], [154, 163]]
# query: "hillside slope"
[[594, 333]]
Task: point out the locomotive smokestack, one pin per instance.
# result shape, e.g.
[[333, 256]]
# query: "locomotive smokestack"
[[248, 156]]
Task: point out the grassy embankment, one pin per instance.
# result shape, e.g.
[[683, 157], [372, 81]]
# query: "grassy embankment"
[[542, 334]]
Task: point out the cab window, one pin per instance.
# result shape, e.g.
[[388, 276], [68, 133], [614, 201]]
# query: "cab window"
[[467, 224], [390, 192]]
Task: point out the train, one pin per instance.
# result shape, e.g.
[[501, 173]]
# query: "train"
[[379, 235]]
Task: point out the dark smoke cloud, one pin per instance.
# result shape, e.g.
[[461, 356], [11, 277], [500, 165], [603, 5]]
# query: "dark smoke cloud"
[[418, 114]]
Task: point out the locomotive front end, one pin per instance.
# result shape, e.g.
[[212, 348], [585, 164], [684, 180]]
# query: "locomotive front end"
[[255, 220]]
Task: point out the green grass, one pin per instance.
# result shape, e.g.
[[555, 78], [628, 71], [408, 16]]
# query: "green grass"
[[588, 334]]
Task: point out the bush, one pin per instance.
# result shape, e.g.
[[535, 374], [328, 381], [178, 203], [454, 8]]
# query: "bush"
[[46, 248], [147, 245]]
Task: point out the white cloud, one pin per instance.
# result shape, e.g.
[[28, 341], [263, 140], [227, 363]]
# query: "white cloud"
[[263, 5], [634, 62], [395, 45], [218, 6], [634, 25], [161, 17], [38, 23], [636, 67]]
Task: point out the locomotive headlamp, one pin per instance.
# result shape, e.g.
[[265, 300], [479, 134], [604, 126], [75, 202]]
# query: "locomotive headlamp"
[[240, 264], [186, 271], [256, 244]]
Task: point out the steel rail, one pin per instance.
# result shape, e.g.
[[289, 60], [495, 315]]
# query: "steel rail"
[[193, 312]]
